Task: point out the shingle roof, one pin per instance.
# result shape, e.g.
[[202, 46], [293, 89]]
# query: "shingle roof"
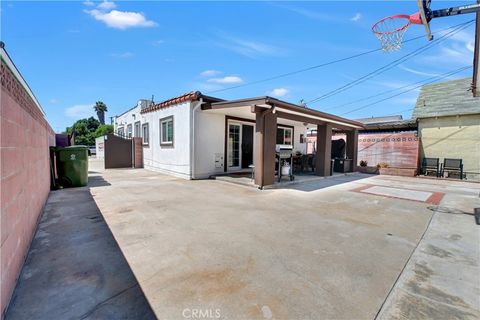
[[446, 99], [380, 120], [189, 96]]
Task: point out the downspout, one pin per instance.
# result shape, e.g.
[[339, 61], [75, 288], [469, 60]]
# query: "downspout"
[[192, 139]]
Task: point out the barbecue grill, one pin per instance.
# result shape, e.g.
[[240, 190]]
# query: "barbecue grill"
[[284, 154]]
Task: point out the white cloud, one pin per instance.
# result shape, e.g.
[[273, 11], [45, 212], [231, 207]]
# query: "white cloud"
[[53, 101], [124, 55], [226, 80], [417, 72], [279, 92], [210, 73], [122, 19], [248, 48], [89, 3], [106, 5], [356, 17], [80, 111], [309, 13], [457, 50], [158, 42]]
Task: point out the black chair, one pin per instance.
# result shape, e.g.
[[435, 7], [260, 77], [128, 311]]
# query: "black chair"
[[452, 166], [431, 165]]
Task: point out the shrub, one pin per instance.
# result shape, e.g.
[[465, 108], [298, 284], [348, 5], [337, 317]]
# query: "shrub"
[[382, 165], [363, 163]]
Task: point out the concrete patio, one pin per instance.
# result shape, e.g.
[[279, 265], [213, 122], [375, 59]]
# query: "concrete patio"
[[317, 250]]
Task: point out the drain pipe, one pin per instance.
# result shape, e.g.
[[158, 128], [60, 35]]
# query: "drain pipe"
[[192, 139]]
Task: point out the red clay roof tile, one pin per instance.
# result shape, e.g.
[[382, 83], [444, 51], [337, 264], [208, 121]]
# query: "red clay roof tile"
[[190, 96]]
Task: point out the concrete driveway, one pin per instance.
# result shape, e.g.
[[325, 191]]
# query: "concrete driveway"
[[209, 249]]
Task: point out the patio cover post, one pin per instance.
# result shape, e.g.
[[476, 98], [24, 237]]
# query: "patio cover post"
[[265, 141], [324, 150], [352, 148]]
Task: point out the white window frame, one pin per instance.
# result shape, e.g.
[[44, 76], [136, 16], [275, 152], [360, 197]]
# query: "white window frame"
[[285, 129], [139, 125], [163, 139], [145, 137]]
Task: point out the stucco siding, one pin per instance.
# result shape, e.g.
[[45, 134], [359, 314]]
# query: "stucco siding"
[[453, 137], [175, 159], [209, 144], [128, 118]]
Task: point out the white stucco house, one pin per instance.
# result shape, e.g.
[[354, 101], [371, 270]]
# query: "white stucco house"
[[195, 136]]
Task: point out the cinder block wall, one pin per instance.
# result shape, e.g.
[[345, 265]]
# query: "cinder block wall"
[[25, 175], [398, 149]]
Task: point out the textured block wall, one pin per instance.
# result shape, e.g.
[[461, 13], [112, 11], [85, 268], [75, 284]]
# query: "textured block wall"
[[24, 176], [397, 149]]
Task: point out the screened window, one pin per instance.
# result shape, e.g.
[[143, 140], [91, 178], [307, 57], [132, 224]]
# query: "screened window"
[[166, 131], [129, 131], [137, 131], [145, 134], [121, 131], [284, 135]]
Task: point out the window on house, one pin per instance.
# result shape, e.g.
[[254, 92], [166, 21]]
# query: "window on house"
[[137, 131], [284, 135], [145, 134], [166, 131], [129, 131], [121, 131]]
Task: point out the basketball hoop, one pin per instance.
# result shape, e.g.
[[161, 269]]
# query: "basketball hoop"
[[390, 30]]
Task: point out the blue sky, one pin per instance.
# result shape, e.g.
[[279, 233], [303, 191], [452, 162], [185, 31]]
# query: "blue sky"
[[75, 53]]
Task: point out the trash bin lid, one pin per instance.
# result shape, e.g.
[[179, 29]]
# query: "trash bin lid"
[[73, 148]]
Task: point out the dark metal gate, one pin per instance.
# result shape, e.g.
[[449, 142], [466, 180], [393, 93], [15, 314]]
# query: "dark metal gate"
[[118, 152]]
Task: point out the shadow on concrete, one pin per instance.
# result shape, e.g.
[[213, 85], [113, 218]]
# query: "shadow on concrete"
[[97, 181], [309, 186], [74, 268]]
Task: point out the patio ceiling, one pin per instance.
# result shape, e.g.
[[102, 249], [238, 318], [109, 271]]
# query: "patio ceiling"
[[246, 113]]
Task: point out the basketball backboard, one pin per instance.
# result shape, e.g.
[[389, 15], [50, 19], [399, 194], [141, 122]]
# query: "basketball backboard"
[[424, 10]]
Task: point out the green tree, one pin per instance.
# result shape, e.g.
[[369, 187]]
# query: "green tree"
[[103, 129], [100, 108], [84, 131]]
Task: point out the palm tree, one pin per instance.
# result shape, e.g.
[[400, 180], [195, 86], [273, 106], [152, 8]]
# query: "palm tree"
[[100, 108]]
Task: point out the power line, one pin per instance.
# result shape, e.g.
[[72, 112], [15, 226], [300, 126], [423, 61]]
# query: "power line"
[[391, 64], [434, 78], [283, 75], [403, 92]]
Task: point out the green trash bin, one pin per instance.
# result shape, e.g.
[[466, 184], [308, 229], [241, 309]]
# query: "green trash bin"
[[72, 166]]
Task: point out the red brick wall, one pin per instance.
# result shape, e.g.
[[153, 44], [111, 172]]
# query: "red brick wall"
[[138, 153], [399, 150], [25, 176]]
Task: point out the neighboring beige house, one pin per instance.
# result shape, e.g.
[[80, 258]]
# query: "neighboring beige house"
[[448, 119]]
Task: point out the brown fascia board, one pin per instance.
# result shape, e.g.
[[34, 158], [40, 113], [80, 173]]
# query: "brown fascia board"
[[294, 107], [239, 103], [266, 100]]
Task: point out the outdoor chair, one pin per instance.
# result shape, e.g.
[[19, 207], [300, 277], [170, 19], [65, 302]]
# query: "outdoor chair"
[[452, 166], [431, 165], [308, 161]]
